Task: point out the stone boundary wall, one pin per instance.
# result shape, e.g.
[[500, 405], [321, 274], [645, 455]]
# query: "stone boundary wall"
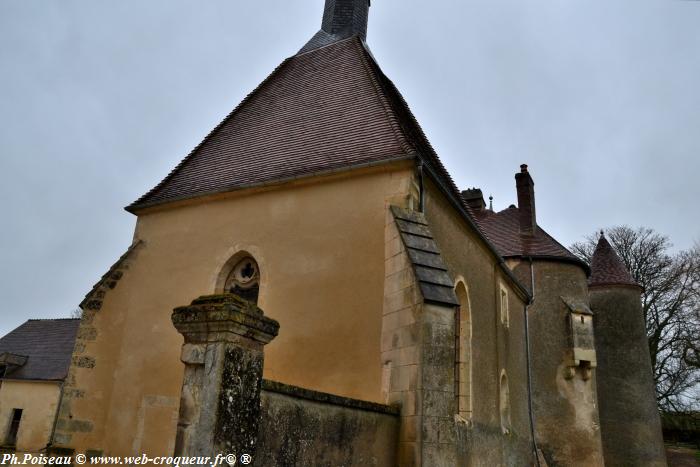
[[303, 427]]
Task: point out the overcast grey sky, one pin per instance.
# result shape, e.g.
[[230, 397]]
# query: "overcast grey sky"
[[100, 99]]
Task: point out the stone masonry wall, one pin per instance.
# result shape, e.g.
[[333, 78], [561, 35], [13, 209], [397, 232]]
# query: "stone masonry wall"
[[301, 427], [629, 415], [399, 345], [83, 361]]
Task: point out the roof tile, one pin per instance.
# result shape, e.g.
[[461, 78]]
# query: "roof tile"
[[607, 268], [503, 230], [48, 344], [316, 112]]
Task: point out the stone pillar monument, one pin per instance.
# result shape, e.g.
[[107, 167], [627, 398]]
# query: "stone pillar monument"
[[629, 416], [223, 357]]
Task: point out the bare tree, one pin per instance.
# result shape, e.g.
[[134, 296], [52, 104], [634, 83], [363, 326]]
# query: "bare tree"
[[671, 305]]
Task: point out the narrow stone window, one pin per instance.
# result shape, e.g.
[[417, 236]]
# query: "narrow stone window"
[[11, 439], [505, 317], [244, 279], [504, 403], [463, 354]]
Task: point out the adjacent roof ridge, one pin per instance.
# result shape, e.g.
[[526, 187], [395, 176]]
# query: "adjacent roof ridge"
[[558, 243], [54, 319], [416, 133], [503, 229], [370, 64]]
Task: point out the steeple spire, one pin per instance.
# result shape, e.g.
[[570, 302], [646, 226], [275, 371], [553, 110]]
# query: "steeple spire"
[[346, 18], [341, 19]]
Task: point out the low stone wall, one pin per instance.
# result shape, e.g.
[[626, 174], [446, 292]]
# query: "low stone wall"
[[303, 427], [681, 427]]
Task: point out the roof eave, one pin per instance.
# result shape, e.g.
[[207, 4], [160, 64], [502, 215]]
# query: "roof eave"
[[554, 258], [137, 209], [615, 284], [33, 380]]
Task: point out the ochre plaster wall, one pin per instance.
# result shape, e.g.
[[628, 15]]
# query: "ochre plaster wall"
[[38, 401], [494, 347], [320, 248]]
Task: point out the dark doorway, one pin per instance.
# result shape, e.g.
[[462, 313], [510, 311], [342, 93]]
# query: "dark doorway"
[[14, 427]]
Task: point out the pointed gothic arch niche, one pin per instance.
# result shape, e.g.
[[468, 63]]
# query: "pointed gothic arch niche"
[[241, 276], [463, 353]]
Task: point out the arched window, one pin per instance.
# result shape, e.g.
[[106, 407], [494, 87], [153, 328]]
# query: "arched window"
[[463, 351], [504, 403], [505, 314], [244, 279]]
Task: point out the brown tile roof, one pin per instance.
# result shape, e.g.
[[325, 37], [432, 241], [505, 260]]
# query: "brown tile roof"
[[327, 109], [47, 344], [607, 268], [503, 230]]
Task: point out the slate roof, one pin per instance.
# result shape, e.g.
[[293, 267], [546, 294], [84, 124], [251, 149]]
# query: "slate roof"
[[328, 109], [48, 346], [430, 270], [607, 268], [503, 230]]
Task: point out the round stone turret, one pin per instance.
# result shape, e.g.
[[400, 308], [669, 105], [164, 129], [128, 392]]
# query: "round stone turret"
[[629, 415]]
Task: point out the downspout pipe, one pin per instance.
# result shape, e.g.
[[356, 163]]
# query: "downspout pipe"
[[55, 418], [529, 364], [421, 191]]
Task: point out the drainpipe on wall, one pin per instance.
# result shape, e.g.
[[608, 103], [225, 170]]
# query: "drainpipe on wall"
[[421, 196], [55, 417], [529, 369]]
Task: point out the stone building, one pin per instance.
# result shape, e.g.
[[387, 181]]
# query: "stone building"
[[342, 302], [34, 361]]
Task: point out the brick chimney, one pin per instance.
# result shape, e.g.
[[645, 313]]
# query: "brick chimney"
[[474, 199], [346, 18], [526, 201]]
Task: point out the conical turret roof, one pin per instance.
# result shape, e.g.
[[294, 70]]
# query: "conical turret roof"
[[607, 268]]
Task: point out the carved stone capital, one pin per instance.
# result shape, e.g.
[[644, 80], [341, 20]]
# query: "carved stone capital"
[[223, 318]]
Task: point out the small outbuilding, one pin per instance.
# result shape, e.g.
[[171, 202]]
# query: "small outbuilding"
[[34, 362]]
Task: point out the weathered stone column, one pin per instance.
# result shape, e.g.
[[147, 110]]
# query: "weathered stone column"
[[223, 357]]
